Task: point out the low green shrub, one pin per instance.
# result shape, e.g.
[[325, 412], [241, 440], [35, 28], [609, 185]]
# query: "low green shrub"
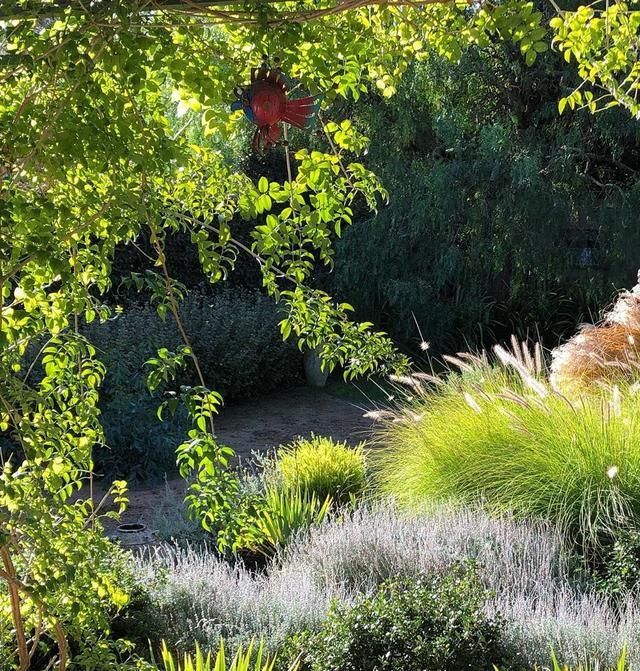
[[241, 353], [502, 436], [618, 569], [434, 623], [322, 467]]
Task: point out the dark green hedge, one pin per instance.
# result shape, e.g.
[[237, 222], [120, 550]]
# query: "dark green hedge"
[[504, 216]]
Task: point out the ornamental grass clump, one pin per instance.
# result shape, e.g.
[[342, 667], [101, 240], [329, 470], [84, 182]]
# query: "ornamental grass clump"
[[321, 467], [500, 435]]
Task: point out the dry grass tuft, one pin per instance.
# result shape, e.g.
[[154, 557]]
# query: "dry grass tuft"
[[605, 354]]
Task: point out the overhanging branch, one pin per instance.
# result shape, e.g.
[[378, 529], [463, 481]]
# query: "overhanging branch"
[[30, 9]]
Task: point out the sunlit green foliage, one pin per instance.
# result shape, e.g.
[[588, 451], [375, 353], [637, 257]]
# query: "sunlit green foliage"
[[56, 562], [320, 466], [90, 160], [603, 40]]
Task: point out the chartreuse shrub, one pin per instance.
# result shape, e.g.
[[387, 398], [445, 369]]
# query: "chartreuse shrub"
[[434, 622], [322, 467], [499, 434]]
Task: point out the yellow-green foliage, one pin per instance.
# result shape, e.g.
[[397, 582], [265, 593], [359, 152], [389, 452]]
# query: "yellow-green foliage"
[[243, 660], [621, 665], [322, 467], [500, 435], [287, 512]]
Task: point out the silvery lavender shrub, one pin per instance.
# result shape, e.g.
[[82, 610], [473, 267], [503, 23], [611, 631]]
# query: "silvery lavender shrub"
[[194, 595], [372, 545], [579, 627]]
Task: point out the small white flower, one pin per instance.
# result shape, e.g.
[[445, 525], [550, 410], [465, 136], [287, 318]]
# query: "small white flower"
[[424, 346], [612, 471]]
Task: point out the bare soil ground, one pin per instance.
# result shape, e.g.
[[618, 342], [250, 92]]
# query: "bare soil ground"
[[261, 425]]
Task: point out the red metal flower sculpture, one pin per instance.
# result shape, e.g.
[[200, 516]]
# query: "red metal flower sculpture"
[[265, 103]]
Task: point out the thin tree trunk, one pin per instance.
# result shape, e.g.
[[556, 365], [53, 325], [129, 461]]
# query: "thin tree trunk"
[[16, 614]]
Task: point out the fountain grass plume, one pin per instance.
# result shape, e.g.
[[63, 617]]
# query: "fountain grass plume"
[[606, 353]]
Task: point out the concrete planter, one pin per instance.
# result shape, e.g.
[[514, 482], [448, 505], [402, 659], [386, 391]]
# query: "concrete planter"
[[315, 376]]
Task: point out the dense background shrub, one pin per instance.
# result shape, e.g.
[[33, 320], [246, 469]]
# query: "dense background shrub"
[[320, 466], [435, 622], [236, 336], [504, 217]]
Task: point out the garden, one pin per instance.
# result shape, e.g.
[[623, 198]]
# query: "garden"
[[350, 289]]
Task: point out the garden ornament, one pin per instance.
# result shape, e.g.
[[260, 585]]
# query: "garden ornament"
[[265, 103]]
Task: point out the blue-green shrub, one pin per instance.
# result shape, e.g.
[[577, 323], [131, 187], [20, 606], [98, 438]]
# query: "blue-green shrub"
[[236, 337]]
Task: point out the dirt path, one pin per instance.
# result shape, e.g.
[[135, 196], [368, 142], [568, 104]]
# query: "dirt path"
[[260, 425]]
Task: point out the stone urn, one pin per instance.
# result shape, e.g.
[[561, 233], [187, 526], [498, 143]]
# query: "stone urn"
[[316, 377]]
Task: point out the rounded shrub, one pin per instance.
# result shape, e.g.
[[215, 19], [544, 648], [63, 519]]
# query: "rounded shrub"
[[322, 467], [435, 622]]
